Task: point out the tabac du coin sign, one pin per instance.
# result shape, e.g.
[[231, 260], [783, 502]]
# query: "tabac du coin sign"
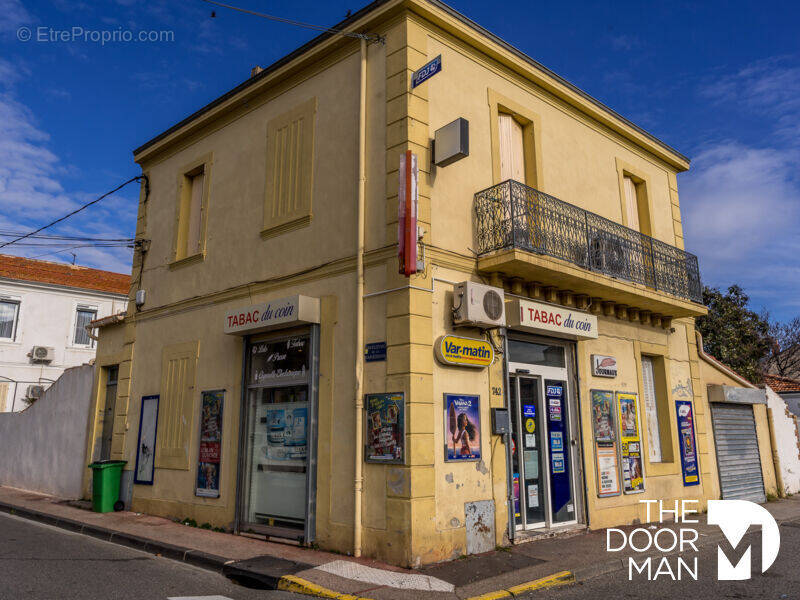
[[464, 352], [283, 312], [551, 320]]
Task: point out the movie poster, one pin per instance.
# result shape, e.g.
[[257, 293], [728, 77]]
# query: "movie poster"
[[210, 455], [462, 422], [630, 444], [605, 444], [385, 428], [689, 462]]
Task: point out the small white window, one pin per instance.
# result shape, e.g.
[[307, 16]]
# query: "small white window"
[[9, 315], [651, 410], [83, 318]]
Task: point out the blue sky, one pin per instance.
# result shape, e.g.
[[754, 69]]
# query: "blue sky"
[[719, 81]]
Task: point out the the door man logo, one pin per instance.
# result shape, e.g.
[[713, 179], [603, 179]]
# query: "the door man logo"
[[678, 543], [734, 517]]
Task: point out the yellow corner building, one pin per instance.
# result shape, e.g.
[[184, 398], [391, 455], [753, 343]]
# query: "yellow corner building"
[[275, 373]]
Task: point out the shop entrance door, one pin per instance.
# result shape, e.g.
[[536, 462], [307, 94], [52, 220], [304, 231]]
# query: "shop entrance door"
[[278, 474], [544, 449]]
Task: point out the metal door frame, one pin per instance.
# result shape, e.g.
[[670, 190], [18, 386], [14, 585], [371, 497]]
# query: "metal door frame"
[[568, 376]]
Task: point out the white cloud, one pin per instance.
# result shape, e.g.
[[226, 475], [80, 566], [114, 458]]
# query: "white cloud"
[[741, 208], [32, 193]]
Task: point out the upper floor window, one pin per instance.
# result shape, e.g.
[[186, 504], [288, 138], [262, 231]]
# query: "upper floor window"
[[515, 132], [192, 209], [84, 316], [290, 169], [9, 315], [656, 410], [635, 204], [512, 148]]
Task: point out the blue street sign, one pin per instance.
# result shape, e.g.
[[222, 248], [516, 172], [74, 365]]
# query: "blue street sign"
[[426, 72], [375, 352]]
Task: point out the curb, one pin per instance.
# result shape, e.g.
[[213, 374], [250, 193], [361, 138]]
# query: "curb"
[[197, 558], [551, 581], [298, 585]]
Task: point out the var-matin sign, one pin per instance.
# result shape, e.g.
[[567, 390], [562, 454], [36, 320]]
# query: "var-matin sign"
[[551, 320], [464, 352], [283, 312]]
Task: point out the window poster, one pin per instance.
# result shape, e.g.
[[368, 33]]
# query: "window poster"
[[146, 447], [462, 420], [630, 443], [689, 462], [385, 428], [210, 453], [605, 443]]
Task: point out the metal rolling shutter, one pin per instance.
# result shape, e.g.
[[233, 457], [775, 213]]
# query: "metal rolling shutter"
[[737, 452]]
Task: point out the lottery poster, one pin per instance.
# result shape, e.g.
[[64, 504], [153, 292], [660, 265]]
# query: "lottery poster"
[[630, 443]]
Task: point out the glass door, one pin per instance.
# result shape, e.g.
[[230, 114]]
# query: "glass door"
[[544, 436], [279, 434]]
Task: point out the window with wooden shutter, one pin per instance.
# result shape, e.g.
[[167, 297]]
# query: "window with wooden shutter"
[[192, 210], [512, 149], [651, 410], [290, 169], [176, 405], [631, 203]]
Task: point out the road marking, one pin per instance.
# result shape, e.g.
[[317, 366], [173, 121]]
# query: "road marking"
[[199, 598], [403, 581]]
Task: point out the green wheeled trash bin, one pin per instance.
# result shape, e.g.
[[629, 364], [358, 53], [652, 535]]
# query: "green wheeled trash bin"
[[106, 476]]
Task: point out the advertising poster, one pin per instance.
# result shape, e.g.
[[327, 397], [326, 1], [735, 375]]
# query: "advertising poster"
[[146, 448], [630, 444], [209, 461], [385, 428], [462, 421], [557, 419], [605, 443], [287, 431], [689, 462]]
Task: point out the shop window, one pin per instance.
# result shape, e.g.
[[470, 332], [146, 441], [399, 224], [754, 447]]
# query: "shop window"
[[9, 316], [175, 411], [290, 169], [192, 210], [656, 411], [83, 317]]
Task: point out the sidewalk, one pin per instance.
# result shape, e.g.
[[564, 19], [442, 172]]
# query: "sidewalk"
[[509, 572]]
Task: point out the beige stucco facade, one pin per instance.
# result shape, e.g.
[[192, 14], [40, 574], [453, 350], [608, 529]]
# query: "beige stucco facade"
[[254, 249]]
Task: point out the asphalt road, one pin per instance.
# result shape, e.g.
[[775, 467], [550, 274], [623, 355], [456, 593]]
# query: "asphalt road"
[[780, 582], [39, 562]]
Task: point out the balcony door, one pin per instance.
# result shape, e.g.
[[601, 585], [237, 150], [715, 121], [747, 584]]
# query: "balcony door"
[[512, 149]]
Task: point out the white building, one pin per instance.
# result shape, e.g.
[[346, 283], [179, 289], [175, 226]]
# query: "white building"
[[44, 307]]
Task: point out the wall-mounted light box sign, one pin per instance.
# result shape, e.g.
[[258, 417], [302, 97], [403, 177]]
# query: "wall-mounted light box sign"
[[425, 72], [464, 352], [451, 142], [551, 320], [283, 312], [604, 366]]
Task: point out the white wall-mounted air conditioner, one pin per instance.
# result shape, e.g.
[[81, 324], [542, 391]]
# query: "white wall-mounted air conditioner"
[[34, 392], [478, 305], [43, 354]]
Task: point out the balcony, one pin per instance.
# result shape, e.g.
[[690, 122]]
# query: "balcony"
[[521, 231]]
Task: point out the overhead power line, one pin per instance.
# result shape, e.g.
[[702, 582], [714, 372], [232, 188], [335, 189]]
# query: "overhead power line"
[[352, 34], [77, 210]]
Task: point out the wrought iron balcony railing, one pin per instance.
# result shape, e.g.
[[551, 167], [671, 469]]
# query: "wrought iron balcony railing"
[[513, 215]]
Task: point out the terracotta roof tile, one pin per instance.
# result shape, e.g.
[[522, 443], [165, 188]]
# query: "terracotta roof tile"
[[782, 384], [42, 271]]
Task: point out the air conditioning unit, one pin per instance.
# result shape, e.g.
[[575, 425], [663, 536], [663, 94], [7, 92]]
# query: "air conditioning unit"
[[478, 305], [43, 354], [34, 392], [607, 255]]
